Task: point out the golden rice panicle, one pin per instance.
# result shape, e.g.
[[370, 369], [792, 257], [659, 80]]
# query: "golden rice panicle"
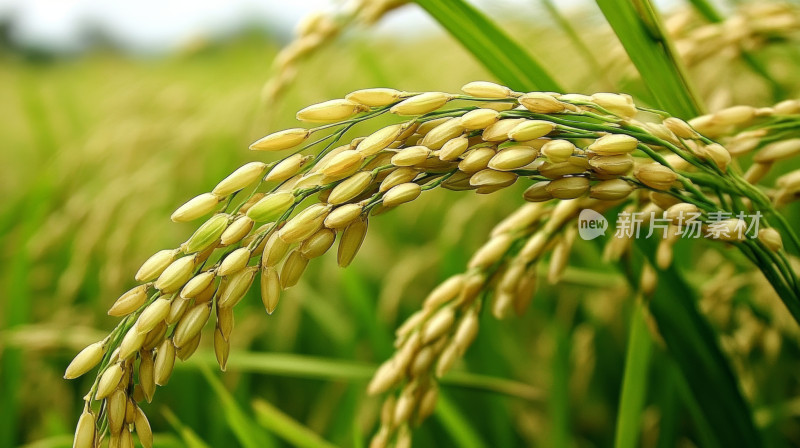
[[484, 146]]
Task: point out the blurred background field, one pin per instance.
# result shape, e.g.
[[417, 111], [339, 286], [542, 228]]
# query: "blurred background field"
[[98, 147]]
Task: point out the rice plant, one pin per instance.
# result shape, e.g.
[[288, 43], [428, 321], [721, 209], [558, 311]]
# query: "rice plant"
[[706, 297]]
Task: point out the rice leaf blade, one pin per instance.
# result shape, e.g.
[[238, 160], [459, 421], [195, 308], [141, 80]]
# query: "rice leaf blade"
[[638, 27], [634, 381], [454, 422], [487, 42], [245, 430], [285, 427], [692, 343]]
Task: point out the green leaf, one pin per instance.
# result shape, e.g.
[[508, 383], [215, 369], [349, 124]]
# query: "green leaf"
[[707, 10], [559, 394], [503, 57], [454, 422], [189, 437], [691, 341], [634, 381], [287, 428], [246, 431], [639, 29], [302, 366]]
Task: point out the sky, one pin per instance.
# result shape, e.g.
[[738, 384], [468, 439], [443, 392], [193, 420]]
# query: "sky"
[[153, 25], [162, 25]]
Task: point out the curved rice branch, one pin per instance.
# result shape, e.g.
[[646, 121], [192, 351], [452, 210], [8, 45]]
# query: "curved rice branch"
[[317, 30], [269, 221]]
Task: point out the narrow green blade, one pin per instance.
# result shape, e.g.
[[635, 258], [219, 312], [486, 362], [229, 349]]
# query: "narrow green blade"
[[634, 381], [707, 10], [246, 431], [457, 425], [691, 341], [503, 57], [287, 428], [638, 27]]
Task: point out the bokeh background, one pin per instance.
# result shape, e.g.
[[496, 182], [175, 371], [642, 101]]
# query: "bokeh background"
[[113, 114]]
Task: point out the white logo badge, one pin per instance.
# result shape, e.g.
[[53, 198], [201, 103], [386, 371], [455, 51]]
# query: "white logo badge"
[[591, 224]]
